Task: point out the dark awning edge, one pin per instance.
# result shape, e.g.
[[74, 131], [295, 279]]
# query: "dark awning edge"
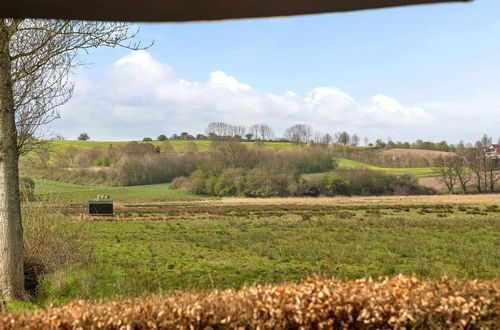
[[187, 10]]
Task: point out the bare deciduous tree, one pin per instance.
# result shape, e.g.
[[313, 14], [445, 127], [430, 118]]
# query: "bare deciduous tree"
[[475, 160], [355, 140], [299, 133], [327, 139], [486, 140], [218, 129], [443, 167], [237, 131], [224, 130], [36, 59], [462, 172], [344, 138], [261, 132], [266, 132]]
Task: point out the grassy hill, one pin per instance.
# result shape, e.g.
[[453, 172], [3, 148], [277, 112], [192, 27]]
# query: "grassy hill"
[[419, 172], [59, 191], [178, 145]]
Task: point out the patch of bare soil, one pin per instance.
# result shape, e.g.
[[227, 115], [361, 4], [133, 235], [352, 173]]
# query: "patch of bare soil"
[[433, 182], [436, 183]]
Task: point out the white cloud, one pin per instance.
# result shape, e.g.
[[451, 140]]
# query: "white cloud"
[[139, 96]]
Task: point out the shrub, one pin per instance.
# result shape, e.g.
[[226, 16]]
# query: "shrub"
[[153, 168], [368, 183], [364, 182], [50, 241], [83, 137], [27, 189], [89, 157], [400, 302], [337, 186]]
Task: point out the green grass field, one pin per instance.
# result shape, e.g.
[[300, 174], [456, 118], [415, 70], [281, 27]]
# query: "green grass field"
[[421, 172], [64, 192], [211, 244], [178, 145]]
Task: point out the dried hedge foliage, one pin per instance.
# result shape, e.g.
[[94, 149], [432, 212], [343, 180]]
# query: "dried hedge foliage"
[[398, 302]]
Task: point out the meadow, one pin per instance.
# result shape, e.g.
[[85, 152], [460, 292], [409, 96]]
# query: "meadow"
[[230, 243], [417, 172], [55, 191], [163, 240]]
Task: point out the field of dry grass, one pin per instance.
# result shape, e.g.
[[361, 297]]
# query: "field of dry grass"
[[241, 262], [433, 182], [381, 200]]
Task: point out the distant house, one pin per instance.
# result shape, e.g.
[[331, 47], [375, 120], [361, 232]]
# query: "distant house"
[[492, 151]]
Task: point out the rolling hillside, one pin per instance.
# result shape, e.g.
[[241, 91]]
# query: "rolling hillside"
[[178, 145], [419, 172]]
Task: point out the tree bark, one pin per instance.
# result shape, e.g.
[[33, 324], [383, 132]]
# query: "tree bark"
[[11, 231]]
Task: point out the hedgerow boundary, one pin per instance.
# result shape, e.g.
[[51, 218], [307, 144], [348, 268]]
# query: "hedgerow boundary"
[[401, 301]]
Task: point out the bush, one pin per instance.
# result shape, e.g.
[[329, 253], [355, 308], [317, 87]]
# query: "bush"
[[137, 163], [83, 137], [369, 183], [27, 189], [400, 302], [50, 241], [337, 186], [155, 168], [257, 182]]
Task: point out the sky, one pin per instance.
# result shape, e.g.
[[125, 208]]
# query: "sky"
[[427, 72]]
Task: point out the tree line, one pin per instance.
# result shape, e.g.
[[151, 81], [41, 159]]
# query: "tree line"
[[305, 134], [470, 169]]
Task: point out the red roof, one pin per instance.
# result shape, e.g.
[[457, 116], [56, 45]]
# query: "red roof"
[[496, 148]]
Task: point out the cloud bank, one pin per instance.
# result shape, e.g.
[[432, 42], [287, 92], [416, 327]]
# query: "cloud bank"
[[139, 96]]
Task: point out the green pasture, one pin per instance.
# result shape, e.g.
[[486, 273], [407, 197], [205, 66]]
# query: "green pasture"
[[54, 191], [178, 145], [420, 172], [212, 245]]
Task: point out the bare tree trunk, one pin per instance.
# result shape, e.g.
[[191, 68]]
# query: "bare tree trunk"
[[491, 170], [485, 172], [11, 231]]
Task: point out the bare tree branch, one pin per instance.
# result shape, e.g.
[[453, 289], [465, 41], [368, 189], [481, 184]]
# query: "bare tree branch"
[[43, 54]]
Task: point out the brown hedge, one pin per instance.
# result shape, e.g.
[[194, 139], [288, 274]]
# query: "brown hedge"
[[398, 302]]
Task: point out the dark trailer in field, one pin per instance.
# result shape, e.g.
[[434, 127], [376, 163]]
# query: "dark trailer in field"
[[100, 208]]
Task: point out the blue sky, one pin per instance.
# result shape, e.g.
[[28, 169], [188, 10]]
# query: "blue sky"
[[439, 63]]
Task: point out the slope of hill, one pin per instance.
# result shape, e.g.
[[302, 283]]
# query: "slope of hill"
[[178, 145], [419, 172], [428, 154]]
